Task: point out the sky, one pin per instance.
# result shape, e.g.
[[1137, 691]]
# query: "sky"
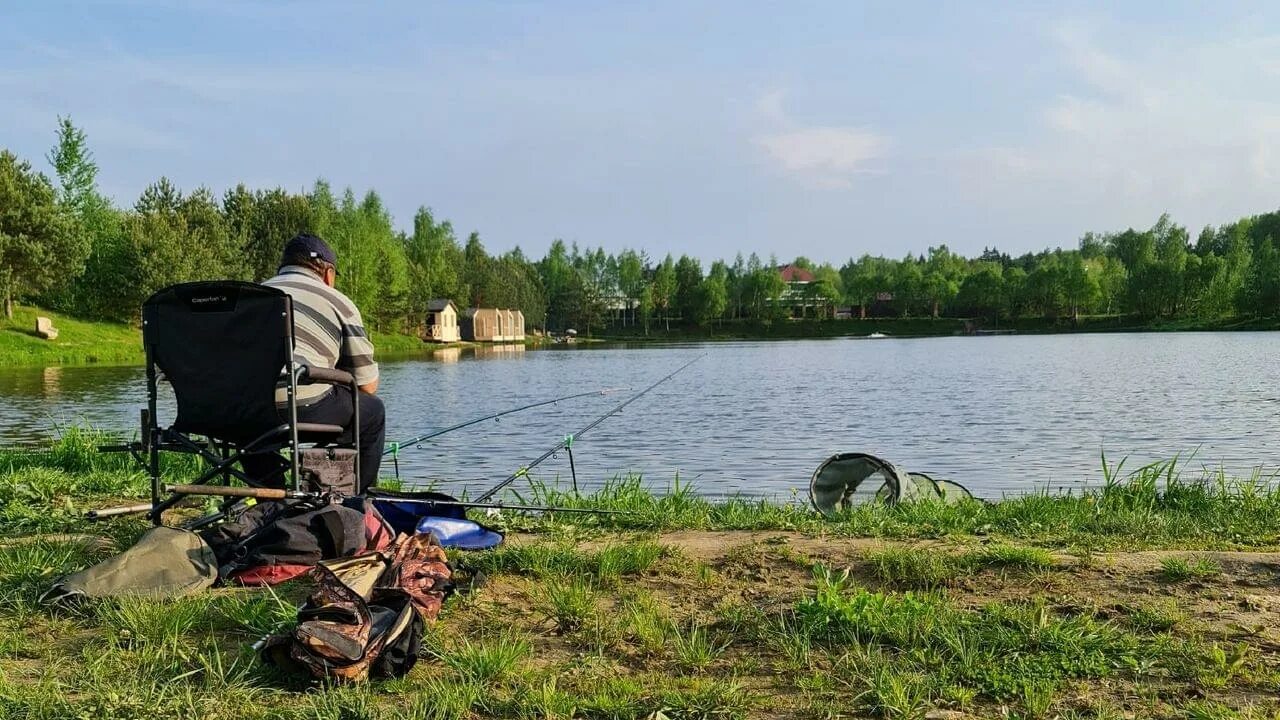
[[710, 128]]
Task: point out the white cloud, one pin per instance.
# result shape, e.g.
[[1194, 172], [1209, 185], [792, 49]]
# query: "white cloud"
[[827, 156], [1140, 126]]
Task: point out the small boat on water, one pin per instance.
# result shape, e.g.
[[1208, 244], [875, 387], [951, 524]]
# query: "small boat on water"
[[876, 336]]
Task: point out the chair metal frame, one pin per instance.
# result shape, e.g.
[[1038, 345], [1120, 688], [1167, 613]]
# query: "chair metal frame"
[[222, 454]]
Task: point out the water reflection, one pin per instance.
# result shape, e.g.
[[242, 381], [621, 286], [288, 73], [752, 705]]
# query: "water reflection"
[[503, 350], [447, 354]]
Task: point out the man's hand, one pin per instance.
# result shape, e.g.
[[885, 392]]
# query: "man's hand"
[[371, 388]]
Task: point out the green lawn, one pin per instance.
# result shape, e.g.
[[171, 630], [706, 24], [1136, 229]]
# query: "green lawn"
[[87, 342], [79, 342], [1140, 600]]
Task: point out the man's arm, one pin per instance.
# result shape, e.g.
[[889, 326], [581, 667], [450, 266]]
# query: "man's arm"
[[357, 354]]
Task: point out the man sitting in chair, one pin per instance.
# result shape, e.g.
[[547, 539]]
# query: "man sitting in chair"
[[329, 333]]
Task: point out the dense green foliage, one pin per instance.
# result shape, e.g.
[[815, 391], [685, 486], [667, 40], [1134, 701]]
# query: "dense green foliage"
[[64, 245]]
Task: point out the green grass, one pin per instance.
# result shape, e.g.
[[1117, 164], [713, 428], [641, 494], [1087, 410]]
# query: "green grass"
[[1152, 507], [931, 566], [1181, 569], [570, 602], [79, 342], [98, 342], [557, 559], [921, 643], [486, 661], [603, 617]]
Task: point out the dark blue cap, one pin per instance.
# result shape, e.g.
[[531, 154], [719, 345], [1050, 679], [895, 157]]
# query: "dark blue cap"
[[309, 246]]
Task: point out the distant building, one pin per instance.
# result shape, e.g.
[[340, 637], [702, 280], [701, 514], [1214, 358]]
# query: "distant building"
[[492, 325], [795, 275], [796, 297], [515, 326], [442, 321]]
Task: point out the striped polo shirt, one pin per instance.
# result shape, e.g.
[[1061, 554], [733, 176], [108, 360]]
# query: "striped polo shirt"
[[327, 329]]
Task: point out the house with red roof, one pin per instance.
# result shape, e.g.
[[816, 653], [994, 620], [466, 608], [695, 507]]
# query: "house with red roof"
[[796, 297]]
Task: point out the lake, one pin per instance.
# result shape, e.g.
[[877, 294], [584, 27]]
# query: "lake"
[[1002, 415]]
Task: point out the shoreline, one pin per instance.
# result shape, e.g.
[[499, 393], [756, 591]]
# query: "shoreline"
[[85, 343]]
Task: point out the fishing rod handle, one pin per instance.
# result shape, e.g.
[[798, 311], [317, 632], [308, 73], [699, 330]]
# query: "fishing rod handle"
[[245, 492], [115, 511]]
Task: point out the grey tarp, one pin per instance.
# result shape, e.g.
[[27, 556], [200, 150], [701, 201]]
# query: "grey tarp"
[[165, 562]]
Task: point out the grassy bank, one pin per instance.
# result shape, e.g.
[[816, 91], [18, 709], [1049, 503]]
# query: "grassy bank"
[[79, 342], [83, 342], [1151, 597]]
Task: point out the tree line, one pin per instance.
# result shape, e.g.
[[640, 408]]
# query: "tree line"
[[64, 245]]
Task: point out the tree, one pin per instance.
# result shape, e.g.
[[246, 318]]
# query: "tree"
[[664, 288], [557, 273], [434, 263], [982, 292], [1079, 286], [40, 242], [713, 294], [262, 222], [77, 193], [908, 286], [688, 280], [646, 305], [630, 270], [171, 238], [826, 289], [863, 280], [76, 171]]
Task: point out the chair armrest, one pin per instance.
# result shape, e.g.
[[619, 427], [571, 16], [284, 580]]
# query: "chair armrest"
[[328, 376]]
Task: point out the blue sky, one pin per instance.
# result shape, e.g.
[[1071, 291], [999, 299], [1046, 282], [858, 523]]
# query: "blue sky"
[[823, 129]]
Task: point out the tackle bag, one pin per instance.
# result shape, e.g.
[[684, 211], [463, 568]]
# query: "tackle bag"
[[272, 542], [414, 512], [367, 614], [165, 563]]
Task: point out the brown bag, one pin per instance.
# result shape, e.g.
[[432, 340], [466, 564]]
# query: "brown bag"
[[365, 617], [329, 470]]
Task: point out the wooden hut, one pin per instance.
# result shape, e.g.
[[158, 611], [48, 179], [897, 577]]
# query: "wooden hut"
[[516, 326], [442, 321], [481, 325], [492, 325]]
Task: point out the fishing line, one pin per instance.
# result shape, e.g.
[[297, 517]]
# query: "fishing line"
[[568, 440], [393, 449]]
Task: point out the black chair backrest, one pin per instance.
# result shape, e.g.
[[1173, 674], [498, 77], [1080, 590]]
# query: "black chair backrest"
[[222, 346]]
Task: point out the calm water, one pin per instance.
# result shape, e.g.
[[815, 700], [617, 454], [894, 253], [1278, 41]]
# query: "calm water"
[[1003, 415]]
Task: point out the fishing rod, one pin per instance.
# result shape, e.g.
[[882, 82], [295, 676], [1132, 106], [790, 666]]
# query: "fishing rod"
[[499, 505], [282, 494], [394, 448], [567, 442]]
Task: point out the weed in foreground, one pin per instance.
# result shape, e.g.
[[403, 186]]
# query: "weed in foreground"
[[1004, 651], [1181, 569], [695, 648], [606, 565], [569, 602], [1154, 617], [919, 567], [485, 661], [932, 567]]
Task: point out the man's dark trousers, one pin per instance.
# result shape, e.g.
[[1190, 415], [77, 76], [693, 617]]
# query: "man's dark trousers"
[[333, 409]]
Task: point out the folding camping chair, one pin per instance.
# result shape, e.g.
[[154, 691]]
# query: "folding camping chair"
[[226, 349]]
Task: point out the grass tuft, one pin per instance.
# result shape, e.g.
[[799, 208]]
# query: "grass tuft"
[[486, 661], [570, 602], [1181, 569]]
